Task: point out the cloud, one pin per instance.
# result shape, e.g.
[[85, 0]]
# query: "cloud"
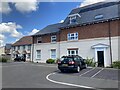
[[33, 32], [4, 7], [88, 2], [11, 28], [61, 21], [26, 6], [21, 6]]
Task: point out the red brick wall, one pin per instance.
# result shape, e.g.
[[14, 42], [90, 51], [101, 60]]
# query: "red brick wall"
[[92, 31], [86, 32]]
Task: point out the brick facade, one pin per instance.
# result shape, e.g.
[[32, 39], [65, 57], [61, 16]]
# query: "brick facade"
[[86, 32]]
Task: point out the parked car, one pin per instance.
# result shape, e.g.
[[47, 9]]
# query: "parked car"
[[20, 58], [71, 63]]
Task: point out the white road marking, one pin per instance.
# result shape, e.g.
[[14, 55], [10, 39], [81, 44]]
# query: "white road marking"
[[44, 65], [97, 73], [87, 72], [63, 83]]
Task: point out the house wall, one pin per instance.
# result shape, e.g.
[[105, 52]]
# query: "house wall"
[[88, 36], [84, 49], [2, 50]]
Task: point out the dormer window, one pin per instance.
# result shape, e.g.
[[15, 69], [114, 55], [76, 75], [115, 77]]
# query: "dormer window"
[[100, 16], [39, 40], [73, 18]]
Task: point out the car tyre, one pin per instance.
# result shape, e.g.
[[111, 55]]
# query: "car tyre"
[[85, 66], [78, 69]]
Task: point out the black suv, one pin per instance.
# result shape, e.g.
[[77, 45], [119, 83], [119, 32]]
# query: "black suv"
[[71, 63]]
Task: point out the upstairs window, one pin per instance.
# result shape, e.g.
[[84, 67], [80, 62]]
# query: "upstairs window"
[[72, 19], [100, 16], [72, 36], [29, 47], [24, 47], [53, 38], [18, 47], [39, 40], [14, 48]]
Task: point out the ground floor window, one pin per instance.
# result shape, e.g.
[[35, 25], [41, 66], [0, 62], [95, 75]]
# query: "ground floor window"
[[53, 53], [28, 56], [38, 54], [72, 51]]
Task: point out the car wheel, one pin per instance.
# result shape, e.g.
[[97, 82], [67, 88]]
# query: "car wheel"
[[85, 66], [78, 69]]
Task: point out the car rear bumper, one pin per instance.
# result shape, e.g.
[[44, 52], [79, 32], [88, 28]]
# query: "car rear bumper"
[[68, 68]]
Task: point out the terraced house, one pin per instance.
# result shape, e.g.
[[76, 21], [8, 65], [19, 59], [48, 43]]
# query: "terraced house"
[[91, 32], [22, 47]]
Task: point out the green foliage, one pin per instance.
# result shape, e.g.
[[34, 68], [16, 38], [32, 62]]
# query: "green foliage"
[[116, 64], [3, 59], [89, 62], [50, 61]]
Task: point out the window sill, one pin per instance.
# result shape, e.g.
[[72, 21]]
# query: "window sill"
[[53, 42], [72, 40], [38, 59]]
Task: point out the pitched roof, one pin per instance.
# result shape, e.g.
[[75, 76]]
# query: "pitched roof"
[[49, 29], [23, 41], [109, 10]]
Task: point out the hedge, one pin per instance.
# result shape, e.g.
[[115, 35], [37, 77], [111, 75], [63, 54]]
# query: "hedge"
[[3, 59], [116, 64], [50, 61]]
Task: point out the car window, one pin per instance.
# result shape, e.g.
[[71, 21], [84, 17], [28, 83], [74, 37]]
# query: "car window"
[[76, 59], [66, 59]]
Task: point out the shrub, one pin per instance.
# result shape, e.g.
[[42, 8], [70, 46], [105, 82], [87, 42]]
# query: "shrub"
[[50, 61], [3, 59], [89, 62], [116, 64]]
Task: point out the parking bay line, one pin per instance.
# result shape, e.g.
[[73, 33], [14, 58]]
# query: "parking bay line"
[[97, 73], [87, 72], [63, 83]]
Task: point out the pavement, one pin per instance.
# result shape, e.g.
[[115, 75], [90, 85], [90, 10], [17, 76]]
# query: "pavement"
[[30, 75]]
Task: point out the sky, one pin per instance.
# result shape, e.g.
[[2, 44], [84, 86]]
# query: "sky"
[[18, 19]]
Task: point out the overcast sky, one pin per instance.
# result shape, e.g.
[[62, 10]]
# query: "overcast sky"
[[26, 18]]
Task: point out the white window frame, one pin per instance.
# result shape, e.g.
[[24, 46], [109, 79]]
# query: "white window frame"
[[72, 36], [53, 55], [24, 47], [71, 18], [38, 58], [39, 39], [75, 52], [18, 47], [28, 56], [53, 38]]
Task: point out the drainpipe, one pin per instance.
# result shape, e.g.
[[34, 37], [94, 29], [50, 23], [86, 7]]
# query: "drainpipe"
[[110, 42], [59, 44], [32, 47]]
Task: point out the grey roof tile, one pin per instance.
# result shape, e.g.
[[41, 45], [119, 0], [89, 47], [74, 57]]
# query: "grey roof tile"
[[50, 29]]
